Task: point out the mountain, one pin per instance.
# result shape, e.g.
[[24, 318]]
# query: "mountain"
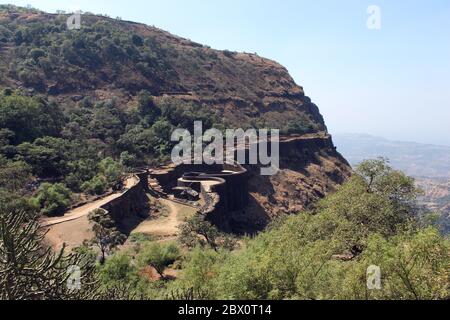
[[428, 164], [111, 58], [118, 89], [418, 160]]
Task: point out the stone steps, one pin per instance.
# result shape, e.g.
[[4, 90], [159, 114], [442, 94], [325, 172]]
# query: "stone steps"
[[155, 186]]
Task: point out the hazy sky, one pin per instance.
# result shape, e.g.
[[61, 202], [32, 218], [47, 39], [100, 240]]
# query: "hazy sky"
[[393, 82]]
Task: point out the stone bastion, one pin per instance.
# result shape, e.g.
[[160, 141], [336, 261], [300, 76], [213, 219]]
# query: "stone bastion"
[[221, 188]]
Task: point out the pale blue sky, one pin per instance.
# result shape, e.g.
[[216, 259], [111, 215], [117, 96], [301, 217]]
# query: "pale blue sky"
[[394, 82]]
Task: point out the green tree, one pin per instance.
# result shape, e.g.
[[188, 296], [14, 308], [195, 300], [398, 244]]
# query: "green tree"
[[96, 186], [14, 175], [118, 269], [107, 237], [159, 256], [111, 170], [376, 199], [128, 160], [197, 281], [81, 171], [325, 254], [414, 266], [147, 108], [197, 231], [48, 156], [52, 199], [14, 203], [29, 118]]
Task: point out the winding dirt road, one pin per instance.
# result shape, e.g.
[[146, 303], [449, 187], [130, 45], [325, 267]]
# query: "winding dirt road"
[[84, 210], [166, 226]]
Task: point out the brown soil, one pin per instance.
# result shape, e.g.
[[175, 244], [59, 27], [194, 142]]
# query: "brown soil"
[[166, 226], [74, 227]]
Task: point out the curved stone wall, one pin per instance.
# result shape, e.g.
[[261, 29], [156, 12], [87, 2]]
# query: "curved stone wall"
[[243, 200], [223, 188], [131, 207]]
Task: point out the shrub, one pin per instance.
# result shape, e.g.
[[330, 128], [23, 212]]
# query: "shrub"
[[96, 186], [36, 53], [111, 170], [117, 269], [159, 256], [52, 199], [127, 159], [137, 40]]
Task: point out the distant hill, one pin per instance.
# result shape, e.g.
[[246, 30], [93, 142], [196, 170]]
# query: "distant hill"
[[429, 164], [418, 160]]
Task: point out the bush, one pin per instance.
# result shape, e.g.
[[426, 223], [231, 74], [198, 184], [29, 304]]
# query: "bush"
[[128, 160], [52, 199], [111, 170], [29, 118], [96, 186], [137, 40], [117, 269], [159, 256], [36, 53]]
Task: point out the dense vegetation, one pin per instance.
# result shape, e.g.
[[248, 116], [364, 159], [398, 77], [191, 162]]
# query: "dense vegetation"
[[121, 59], [84, 149], [372, 220], [48, 53], [323, 254], [64, 142]]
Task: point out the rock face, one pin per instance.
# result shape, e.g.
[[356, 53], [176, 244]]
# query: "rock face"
[[244, 201], [310, 168]]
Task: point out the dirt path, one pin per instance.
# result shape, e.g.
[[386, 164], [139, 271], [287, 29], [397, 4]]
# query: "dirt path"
[[72, 233], [166, 226], [75, 227], [82, 211]]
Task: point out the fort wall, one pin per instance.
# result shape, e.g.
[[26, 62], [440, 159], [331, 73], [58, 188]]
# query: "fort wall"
[[131, 206], [222, 188]]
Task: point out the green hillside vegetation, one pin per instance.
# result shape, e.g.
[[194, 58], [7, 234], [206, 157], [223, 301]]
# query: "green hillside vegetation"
[[56, 128], [322, 254], [373, 219], [123, 58], [87, 148]]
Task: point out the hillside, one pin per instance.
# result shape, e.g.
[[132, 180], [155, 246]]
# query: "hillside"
[[93, 208], [80, 106], [111, 58]]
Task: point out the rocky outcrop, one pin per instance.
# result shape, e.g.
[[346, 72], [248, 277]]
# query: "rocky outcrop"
[[310, 168]]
